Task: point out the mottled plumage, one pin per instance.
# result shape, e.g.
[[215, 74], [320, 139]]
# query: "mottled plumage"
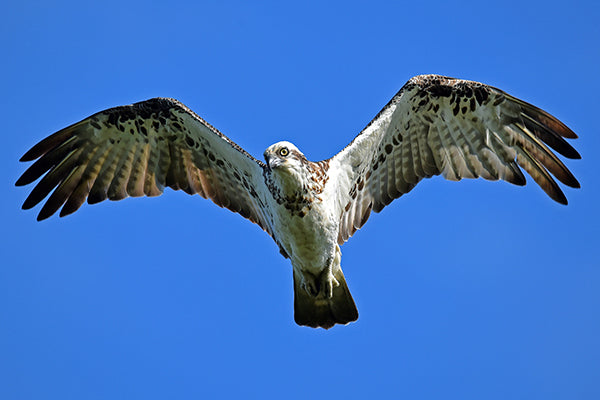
[[434, 125]]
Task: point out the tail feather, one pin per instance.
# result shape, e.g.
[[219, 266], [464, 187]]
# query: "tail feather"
[[320, 311]]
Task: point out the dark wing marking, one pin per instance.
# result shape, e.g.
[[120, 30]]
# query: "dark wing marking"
[[137, 150], [460, 129]]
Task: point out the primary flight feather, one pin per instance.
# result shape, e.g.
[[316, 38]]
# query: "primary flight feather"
[[434, 125]]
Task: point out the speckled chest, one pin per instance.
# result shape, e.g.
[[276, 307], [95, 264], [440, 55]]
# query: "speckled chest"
[[311, 239], [307, 227], [305, 192]]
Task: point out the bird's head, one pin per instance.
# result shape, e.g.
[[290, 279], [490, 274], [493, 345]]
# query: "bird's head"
[[287, 167], [284, 156]]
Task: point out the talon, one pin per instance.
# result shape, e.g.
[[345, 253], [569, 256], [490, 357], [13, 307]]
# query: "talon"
[[309, 285], [329, 282], [325, 284]]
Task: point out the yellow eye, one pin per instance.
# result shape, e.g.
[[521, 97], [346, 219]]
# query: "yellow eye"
[[283, 152]]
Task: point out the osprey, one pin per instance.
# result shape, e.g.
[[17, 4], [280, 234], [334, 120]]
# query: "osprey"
[[434, 125]]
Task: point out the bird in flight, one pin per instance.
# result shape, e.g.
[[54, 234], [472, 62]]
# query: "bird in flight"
[[434, 125]]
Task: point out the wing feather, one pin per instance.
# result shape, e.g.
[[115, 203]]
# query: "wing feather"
[[77, 198], [459, 129], [61, 193], [139, 150], [541, 176], [117, 190], [99, 190], [135, 184], [44, 164], [52, 179]]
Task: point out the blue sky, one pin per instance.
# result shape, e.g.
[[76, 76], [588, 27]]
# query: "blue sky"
[[470, 290]]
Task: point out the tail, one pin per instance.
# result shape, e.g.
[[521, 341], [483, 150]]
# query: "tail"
[[320, 311]]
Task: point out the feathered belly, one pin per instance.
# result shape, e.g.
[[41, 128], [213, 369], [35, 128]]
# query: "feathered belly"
[[309, 240]]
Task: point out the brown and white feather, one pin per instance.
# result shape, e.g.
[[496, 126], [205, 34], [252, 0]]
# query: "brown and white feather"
[[138, 150], [460, 129]]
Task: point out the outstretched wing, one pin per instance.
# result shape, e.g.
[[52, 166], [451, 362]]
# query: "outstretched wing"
[[137, 150], [460, 129]]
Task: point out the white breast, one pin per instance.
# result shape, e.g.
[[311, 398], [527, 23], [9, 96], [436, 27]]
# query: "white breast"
[[309, 240]]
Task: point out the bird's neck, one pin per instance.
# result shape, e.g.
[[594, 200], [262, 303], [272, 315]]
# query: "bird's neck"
[[299, 187], [288, 181]]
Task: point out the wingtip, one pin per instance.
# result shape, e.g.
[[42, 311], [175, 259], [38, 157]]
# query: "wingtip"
[[35, 152], [576, 185], [46, 212], [560, 198]]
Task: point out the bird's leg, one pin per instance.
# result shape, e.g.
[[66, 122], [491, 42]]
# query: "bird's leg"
[[309, 283], [325, 281], [328, 281]]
